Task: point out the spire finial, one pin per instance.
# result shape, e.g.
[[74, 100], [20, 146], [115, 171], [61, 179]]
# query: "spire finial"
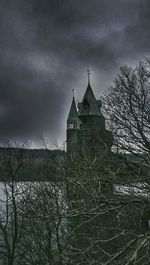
[[88, 72], [73, 92]]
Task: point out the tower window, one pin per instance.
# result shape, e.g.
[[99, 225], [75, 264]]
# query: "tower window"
[[71, 125], [74, 124]]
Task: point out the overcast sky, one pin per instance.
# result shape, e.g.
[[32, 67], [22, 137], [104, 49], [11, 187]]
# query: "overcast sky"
[[46, 47]]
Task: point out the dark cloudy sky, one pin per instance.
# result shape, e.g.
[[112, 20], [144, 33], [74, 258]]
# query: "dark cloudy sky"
[[46, 47]]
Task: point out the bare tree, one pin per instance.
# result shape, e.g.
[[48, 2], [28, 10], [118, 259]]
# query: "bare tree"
[[126, 105], [127, 108], [45, 230], [11, 217]]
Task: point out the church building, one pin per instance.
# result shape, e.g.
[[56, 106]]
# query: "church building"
[[86, 130]]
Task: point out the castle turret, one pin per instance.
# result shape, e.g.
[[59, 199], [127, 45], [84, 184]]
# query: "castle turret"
[[73, 127], [89, 106], [89, 110]]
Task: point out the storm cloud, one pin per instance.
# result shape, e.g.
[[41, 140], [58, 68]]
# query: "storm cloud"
[[46, 47]]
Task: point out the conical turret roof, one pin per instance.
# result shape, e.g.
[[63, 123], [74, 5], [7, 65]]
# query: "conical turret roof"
[[89, 103], [73, 114]]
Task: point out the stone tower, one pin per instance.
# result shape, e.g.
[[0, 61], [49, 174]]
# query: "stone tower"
[[86, 126], [73, 128]]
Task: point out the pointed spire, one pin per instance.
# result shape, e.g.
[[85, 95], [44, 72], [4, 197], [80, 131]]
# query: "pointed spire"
[[73, 121], [73, 114], [89, 104]]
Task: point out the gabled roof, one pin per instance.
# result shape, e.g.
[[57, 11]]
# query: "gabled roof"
[[73, 114], [89, 99]]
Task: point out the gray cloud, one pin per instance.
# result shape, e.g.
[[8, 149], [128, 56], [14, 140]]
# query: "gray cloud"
[[45, 48]]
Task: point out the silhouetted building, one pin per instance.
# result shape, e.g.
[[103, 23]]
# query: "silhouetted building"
[[86, 126]]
